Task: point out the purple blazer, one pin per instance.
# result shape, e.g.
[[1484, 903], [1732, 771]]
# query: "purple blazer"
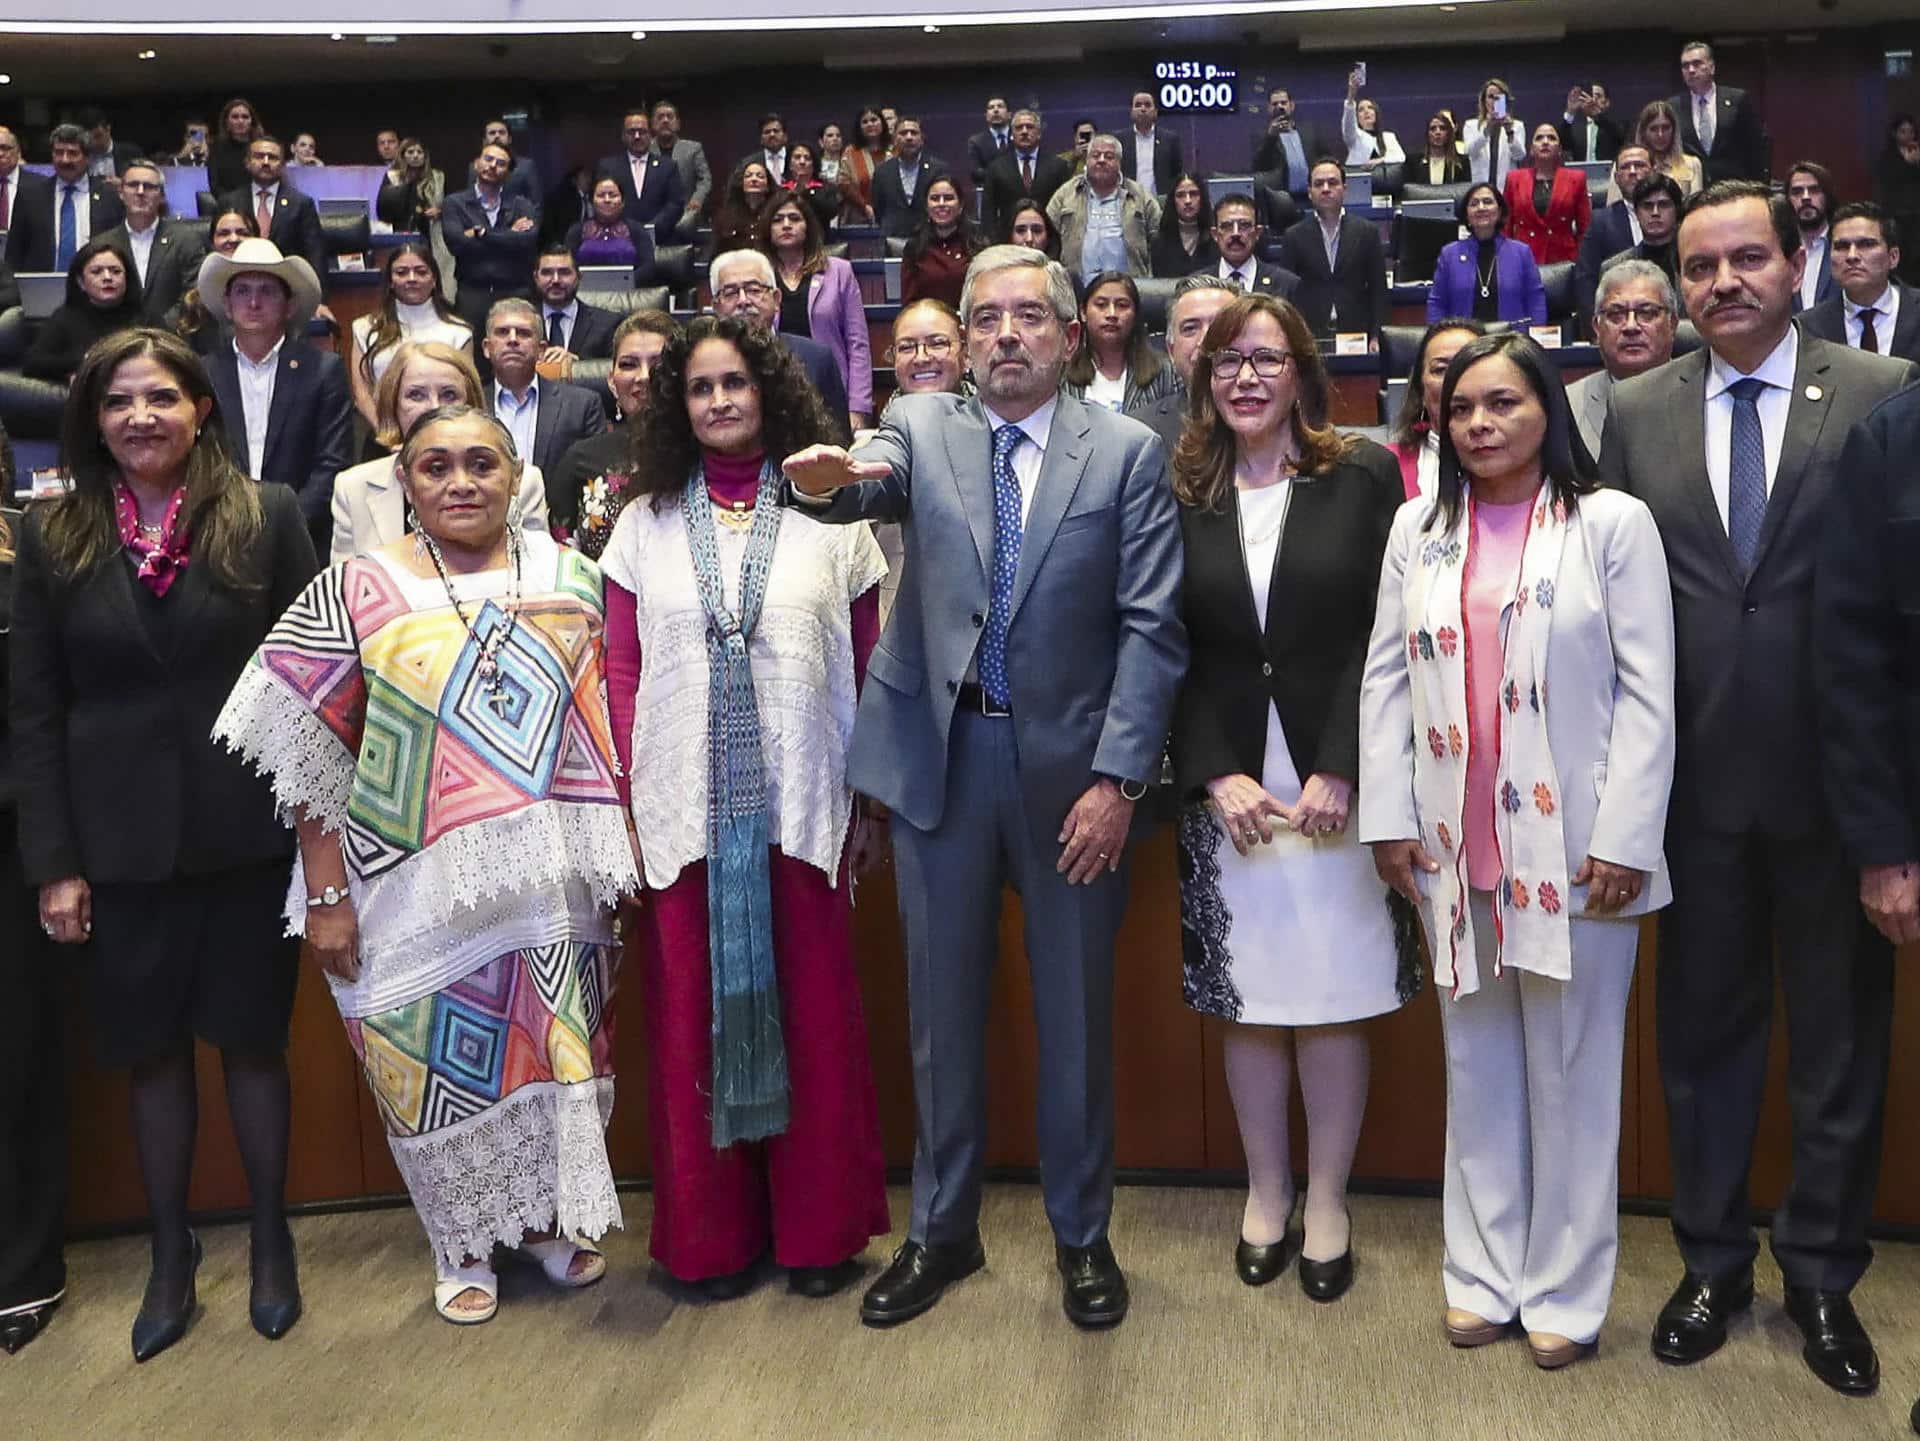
[[1516, 283], [838, 317]]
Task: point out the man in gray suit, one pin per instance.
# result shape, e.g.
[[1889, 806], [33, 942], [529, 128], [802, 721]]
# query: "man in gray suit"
[[1736, 449], [1015, 712], [689, 158], [1635, 315]]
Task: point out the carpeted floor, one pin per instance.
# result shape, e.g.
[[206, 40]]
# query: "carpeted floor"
[[1201, 1356]]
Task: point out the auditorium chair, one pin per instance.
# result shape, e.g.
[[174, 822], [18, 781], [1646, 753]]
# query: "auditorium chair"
[[592, 374], [29, 409], [1557, 280], [345, 234], [1389, 177], [673, 269], [1156, 299]]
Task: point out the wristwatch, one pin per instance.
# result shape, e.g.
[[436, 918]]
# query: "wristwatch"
[[329, 896]]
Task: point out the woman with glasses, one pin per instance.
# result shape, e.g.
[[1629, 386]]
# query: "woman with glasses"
[[1285, 927]]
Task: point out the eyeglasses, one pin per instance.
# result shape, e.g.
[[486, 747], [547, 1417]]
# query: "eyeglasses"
[[138, 186], [934, 347], [1618, 315], [745, 290], [985, 320], [1266, 363], [1236, 227]]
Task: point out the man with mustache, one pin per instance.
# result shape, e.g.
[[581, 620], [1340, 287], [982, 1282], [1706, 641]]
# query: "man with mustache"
[[1008, 754], [1737, 450]]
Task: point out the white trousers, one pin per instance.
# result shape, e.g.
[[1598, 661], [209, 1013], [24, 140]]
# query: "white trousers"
[[1532, 1187]]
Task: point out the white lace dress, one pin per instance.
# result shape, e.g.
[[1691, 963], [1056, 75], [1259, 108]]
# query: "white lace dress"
[[485, 848]]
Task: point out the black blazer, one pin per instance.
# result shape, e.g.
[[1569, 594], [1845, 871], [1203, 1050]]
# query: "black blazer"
[[1306, 655], [1609, 137], [118, 774], [662, 197], [892, 211], [1739, 139], [982, 152], [1269, 155], [500, 259], [309, 428], [173, 263], [1828, 321], [33, 231], [1610, 233], [1866, 638], [592, 335], [1168, 160], [1005, 188], [824, 371], [1748, 753], [1356, 284], [296, 224], [1169, 258], [567, 414]]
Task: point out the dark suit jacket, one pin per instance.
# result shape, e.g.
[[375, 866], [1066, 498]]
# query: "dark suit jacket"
[[592, 334], [824, 371], [892, 211], [1828, 321], [501, 259], [1356, 285], [33, 230], [1005, 188], [1168, 160], [9, 297], [1866, 638], [1305, 656], [309, 428], [662, 196], [296, 224], [1610, 233], [982, 152], [523, 181], [1274, 280], [1739, 139], [173, 263], [1270, 155], [119, 776], [568, 413], [1164, 416], [1573, 137], [1748, 754]]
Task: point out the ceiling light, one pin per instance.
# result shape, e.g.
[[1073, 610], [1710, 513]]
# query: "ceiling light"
[[639, 34], [6, 80], [931, 29], [336, 36], [148, 54], [382, 39]]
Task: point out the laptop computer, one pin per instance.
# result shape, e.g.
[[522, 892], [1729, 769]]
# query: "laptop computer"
[[41, 292]]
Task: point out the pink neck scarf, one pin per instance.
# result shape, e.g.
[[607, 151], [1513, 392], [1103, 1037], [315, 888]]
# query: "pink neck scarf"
[[161, 562]]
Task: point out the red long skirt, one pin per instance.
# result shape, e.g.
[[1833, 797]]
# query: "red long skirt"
[[818, 1190]]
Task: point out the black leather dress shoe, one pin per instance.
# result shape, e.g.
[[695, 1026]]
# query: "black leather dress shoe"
[[18, 1330], [1327, 1280], [1093, 1289], [163, 1319], [273, 1296], [816, 1283], [1838, 1349], [1913, 1418], [1693, 1323], [1257, 1265], [729, 1287], [917, 1277]]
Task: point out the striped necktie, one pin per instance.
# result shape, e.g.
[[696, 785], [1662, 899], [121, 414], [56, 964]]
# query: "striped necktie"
[[1746, 472]]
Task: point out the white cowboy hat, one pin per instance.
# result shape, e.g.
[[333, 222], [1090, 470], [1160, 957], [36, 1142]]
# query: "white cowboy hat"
[[253, 256]]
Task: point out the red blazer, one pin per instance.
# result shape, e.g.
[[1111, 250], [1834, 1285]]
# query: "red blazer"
[[1556, 235]]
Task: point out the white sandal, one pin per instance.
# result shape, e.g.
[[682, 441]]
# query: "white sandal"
[[453, 1282], [555, 1259]]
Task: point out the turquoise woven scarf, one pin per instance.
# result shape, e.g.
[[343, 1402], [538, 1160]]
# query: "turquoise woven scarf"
[[749, 1051]]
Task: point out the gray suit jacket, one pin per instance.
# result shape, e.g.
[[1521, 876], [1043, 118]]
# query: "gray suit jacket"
[[1748, 755], [1588, 398], [690, 159], [1095, 646]]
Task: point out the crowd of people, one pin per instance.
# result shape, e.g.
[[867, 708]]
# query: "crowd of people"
[[1461, 709]]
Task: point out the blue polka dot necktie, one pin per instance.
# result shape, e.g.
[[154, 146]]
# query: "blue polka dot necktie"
[[1746, 472], [1006, 564]]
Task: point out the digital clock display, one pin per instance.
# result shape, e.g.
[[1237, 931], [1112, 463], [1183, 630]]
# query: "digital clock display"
[[1195, 87]]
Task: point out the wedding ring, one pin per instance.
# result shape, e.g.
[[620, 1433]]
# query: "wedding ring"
[[1104, 856], [47, 926]]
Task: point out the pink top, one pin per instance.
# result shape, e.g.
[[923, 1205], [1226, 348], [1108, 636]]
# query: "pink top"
[[1499, 537]]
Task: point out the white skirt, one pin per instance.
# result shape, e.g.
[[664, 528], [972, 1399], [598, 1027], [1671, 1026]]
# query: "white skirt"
[[1296, 934]]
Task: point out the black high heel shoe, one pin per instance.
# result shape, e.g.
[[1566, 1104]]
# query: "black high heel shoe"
[[158, 1326], [273, 1297], [1329, 1280], [1257, 1265]]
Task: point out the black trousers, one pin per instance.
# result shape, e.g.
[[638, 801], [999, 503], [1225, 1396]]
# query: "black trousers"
[[33, 1093], [1748, 908], [472, 300]]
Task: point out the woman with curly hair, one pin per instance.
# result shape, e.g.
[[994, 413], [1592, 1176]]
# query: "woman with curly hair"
[[748, 190], [738, 632]]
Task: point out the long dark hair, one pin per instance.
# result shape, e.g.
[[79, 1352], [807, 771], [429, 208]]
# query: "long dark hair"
[[791, 415], [386, 329], [1564, 463], [222, 505], [968, 233], [77, 299], [1020, 207], [1170, 218], [1143, 363], [1203, 462], [813, 250], [1412, 417], [858, 141]]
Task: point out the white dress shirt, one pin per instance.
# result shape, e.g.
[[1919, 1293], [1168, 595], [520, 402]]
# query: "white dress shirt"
[[1706, 116], [1143, 160], [271, 195], [568, 313], [1817, 261], [1777, 371], [1028, 454], [141, 242], [521, 417], [256, 401], [1886, 315], [638, 165], [10, 192], [776, 163], [1243, 274]]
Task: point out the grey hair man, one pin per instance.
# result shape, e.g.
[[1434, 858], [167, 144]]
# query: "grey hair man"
[[544, 417], [1635, 316], [742, 285], [1105, 221], [1008, 757], [1196, 300]]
